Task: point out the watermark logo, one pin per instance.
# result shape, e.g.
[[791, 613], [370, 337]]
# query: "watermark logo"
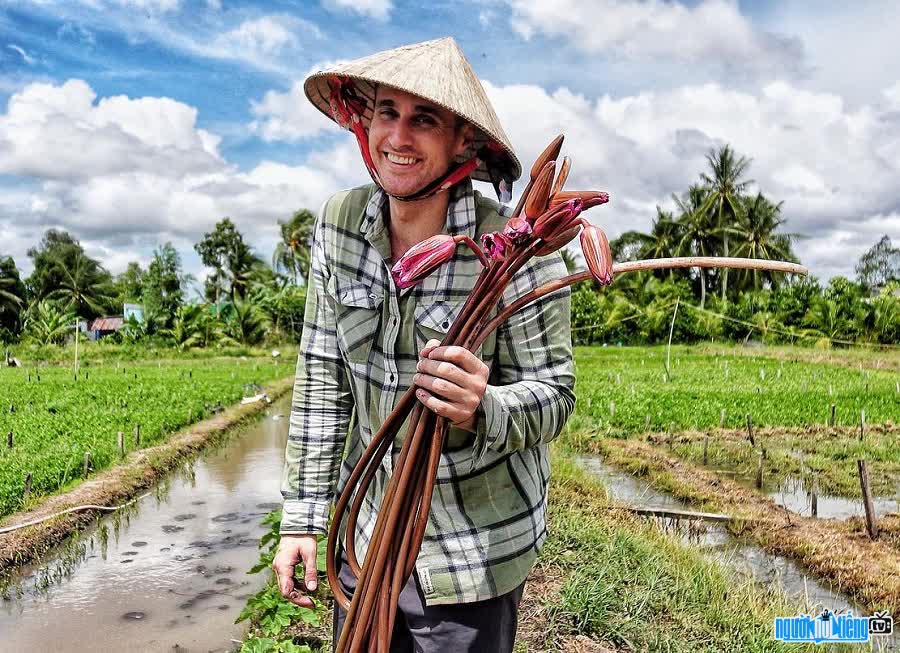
[[831, 627]]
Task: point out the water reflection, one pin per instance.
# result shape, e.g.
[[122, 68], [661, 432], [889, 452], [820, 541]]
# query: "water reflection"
[[167, 573]]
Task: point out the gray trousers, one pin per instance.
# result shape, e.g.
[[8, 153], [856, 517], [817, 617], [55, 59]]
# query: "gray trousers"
[[487, 626]]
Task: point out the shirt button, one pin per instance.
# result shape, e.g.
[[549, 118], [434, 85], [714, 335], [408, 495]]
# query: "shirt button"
[[373, 296], [446, 325]]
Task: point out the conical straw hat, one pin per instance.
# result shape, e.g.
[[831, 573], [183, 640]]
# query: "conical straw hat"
[[435, 70]]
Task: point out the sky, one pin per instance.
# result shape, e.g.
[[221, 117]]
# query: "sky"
[[130, 123]]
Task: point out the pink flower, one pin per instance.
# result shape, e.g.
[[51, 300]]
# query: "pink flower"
[[558, 219], [495, 245], [595, 247], [422, 259], [517, 230]]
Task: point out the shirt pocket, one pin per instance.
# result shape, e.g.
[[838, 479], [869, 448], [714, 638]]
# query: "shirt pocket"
[[357, 308]]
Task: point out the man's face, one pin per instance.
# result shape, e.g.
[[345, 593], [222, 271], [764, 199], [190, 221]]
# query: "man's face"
[[412, 141]]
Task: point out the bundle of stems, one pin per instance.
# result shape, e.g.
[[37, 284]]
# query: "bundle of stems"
[[546, 219]]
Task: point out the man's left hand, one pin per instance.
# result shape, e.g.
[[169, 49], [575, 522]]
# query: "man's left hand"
[[452, 381]]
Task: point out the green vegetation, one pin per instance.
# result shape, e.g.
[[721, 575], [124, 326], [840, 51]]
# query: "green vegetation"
[[55, 419], [699, 386]]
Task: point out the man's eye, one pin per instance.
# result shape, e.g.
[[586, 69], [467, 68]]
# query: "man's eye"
[[424, 120]]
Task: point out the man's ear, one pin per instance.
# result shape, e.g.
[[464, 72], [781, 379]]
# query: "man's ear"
[[467, 132]]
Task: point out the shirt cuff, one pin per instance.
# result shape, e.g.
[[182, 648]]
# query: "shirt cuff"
[[492, 423], [304, 517]]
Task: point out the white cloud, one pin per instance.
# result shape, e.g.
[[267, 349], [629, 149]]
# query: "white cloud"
[[712, 32], [25, 56], [835, 168], [288, 116], [215, 5], [149, 5], [378, 9], [126, 174], [266, 35]]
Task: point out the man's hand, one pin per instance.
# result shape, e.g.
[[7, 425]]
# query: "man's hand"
[[294, 549], [451, 381]]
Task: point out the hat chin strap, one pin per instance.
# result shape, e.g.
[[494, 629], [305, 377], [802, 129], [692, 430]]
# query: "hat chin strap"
[[347, 109]]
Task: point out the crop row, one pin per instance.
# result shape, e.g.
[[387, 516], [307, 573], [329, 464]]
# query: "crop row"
[[55, 419]]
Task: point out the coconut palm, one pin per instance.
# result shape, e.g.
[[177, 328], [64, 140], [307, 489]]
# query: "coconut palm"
[[698, 235], [85, 287], [292, 254], [247, 323], [725, 183], [758, 223]]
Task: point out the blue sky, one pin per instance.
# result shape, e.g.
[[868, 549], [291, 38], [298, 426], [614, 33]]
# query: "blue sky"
[[133, 122]]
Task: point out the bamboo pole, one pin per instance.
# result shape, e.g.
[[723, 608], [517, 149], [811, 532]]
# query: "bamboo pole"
[[871, 525]]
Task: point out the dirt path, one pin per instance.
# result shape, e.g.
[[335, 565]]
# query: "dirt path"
[[867, 570], [118, 484]]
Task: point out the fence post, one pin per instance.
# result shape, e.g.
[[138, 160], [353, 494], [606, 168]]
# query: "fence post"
[[871, 526]]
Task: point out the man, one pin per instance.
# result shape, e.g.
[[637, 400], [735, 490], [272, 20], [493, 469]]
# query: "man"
[[424, 126]]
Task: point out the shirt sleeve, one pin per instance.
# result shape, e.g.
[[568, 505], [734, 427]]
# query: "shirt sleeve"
[[320, 409], [531, 390]]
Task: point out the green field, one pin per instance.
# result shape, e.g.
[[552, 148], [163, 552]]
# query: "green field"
[[55, 419], [699, 386]]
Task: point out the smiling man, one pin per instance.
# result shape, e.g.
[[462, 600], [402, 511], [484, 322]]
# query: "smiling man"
[[425, 129]]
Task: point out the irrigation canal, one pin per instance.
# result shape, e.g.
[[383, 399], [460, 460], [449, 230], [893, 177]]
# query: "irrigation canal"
[[172, 575]]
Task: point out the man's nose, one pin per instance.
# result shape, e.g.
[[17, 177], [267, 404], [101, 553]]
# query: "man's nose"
[[401, 135]]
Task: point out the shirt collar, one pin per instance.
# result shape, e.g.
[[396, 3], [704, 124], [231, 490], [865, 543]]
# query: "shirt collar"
[[460, 221]]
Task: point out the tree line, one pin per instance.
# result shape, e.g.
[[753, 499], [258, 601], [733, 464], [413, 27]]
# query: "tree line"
[[247, 300], [717, 216], [244, 299]]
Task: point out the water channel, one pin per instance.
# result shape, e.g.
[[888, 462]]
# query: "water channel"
[[715, 542], [171, 577]]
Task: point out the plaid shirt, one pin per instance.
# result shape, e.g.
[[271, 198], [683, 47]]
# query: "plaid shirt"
[[358, 353]]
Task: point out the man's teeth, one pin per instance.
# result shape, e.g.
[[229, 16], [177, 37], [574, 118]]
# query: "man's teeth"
[[402, 160]]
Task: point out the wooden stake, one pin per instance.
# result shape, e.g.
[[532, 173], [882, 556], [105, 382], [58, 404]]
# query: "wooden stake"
[[120, 443], [705, 449], [27, 486], [759, 471], [814, 498], [871, 526], [833, 409], [612, 409], [646, 422], [137, 435], [722, 419], [9, 440], [750, 430], [862, 424], [86, 464]]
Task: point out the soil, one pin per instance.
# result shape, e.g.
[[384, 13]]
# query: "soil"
[[114, 486]]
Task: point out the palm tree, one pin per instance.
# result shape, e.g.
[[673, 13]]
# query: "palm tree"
[[8, 297], [725, 184], [46, 324], [248, 323], [659, 243], [84, 287], [699, 235], [292, 254], [757, 225]]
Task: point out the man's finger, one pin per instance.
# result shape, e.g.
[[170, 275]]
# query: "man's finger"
[[442, 387], [285, 575], [459, 355], [310, 575], [441, 408], [429, 347]]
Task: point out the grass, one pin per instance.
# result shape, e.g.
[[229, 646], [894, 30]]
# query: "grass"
[[628, 585], [626, 390]]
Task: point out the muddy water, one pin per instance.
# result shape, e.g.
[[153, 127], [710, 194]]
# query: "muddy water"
[[717, 543], [172, 577]]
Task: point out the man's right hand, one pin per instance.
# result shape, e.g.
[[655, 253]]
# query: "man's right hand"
[[294, 550]]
